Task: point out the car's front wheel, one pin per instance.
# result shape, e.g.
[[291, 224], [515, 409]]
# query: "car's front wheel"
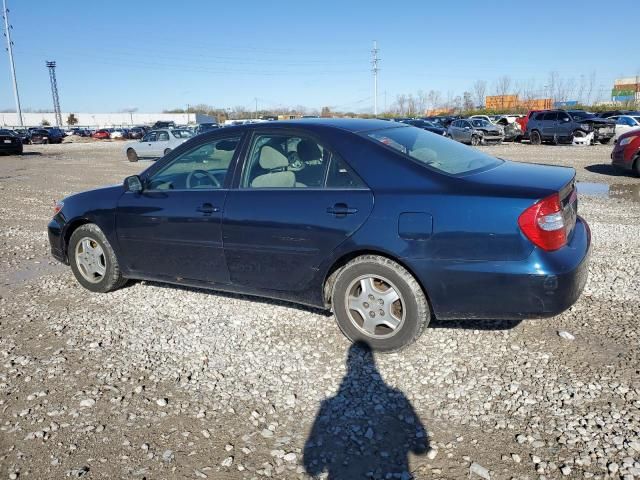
[[132, 156], [93, 260], [167, 151], [377, 301], [475, 140], [604, 141]]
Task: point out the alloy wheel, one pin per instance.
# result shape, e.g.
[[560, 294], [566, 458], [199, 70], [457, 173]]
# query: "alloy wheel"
[[375, 306], [90, 260]]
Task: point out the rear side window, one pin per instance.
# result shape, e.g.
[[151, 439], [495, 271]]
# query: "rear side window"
[[434, 151], [341, 176]]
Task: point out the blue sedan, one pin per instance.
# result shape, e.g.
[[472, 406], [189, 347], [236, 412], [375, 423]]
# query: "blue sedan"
[[385, 224]]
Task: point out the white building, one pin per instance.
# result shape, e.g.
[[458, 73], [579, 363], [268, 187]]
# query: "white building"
[[102, 120]]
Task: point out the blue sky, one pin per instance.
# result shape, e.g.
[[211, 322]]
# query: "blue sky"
[[154, 55]]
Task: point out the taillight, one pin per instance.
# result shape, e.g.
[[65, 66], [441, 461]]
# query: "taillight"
[[543, 223], [57, 206]]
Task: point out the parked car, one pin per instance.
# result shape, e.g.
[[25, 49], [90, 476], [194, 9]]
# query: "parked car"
[[624, 124], [118, 133], [56, 135], [24, 135], [286, 210], [428, 126], [10, 142], [475, 131], [39, 135], [511, 128], [136, 132], [162, 124], [626, 152], [560, 126], [156, 144], [101, 134]]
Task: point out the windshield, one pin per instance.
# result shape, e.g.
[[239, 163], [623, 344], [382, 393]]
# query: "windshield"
[[181, 133], [6, 132], [434, 150], [480, 122]]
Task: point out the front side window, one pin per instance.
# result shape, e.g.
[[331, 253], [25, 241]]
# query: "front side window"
[[203, 167], [285, 161], [563, 117], [150, 137], [434, 151], [550, 116]]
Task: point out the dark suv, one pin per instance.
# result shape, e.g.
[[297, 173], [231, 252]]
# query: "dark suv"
[[560, 126]]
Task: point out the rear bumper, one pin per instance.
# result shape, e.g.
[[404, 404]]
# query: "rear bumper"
[[11, 147], [543, 285]]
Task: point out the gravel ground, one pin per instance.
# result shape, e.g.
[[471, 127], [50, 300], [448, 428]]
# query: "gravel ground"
[[158, 382]]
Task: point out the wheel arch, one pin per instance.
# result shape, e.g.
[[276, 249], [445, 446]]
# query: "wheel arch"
[[71, 227], [340, 262]]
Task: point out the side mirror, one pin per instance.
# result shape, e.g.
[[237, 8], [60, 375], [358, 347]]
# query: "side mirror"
[[133, 184]]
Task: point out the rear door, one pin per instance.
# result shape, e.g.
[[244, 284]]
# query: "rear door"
[[297, 201]]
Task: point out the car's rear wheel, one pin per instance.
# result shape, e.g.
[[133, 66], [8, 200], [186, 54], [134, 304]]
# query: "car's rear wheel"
[[132, 156], [535, 138], [93, 260], [166, 151], [475, 140], [604, 141], [636, 166], [377, 301]]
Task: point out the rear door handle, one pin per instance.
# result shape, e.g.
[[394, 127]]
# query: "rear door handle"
[[207, 209], [341, 209]]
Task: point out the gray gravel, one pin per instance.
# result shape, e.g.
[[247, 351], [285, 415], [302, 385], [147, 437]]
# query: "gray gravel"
[[157, 382]]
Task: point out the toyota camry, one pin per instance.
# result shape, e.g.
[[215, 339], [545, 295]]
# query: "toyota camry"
[[384, 224]]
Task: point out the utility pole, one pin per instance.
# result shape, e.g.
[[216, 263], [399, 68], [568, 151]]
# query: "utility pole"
[[374, 63], [54, 92], [256, 99], [7, 33]]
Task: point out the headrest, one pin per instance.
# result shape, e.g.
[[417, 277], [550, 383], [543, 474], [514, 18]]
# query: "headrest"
[[271, 158], [308, 151]]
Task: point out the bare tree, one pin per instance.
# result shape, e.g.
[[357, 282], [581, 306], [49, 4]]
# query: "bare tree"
[[467, 101], [503, 86], [401, 101], [590, 86], [479, 92], [434, 98], [421, 102], [411, 105]]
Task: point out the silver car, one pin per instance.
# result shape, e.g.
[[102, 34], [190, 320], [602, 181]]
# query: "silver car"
[[156, 143], [475, 131]]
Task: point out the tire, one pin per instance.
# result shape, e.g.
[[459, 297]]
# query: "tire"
[[535, 138], [132, 156], [166, 151], [636, 166], [389, 278], [112, 278], [604, 141], [45, 142], [475, 140]]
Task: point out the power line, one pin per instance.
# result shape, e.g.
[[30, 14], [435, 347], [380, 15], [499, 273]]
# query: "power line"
[[375, 69], [54, 92], [7, 33]]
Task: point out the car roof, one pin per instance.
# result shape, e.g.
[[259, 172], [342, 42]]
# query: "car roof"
[[347, 124]]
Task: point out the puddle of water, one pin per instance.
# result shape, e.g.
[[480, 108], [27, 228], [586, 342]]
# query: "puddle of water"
[[621, 190]]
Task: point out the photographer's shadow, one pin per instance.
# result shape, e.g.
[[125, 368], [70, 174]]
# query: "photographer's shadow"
[[367, 429]]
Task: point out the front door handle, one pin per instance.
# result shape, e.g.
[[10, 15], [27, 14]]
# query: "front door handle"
[[207, 209], [341, 209]]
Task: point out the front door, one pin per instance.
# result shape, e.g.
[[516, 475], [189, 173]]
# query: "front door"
[[145, 146], [172, 229], [297, 201], [162, 144]]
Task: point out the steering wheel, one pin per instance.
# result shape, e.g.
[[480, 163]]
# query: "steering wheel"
[[295, 162], [202, 173]]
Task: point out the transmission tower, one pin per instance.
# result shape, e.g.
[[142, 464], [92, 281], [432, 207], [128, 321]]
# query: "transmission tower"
[[7, 33], [54, 92], [374, 63]]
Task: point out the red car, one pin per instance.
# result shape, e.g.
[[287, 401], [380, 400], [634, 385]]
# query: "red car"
[[626, 152], [101, 134], [522, 121]]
